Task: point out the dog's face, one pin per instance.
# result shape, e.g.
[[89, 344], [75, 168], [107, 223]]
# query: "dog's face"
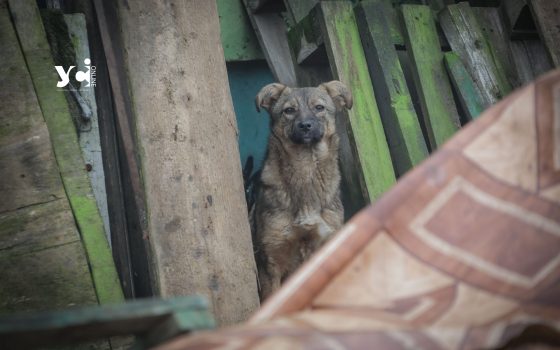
[[304, 116]]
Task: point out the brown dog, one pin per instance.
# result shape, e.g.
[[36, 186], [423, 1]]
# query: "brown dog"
[[298, 206]]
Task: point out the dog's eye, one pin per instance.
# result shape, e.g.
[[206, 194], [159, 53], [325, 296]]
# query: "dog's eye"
[[319, 108], [290, 110]]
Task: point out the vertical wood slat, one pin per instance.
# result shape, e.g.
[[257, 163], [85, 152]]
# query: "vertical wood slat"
[[271, 34], [43, 264], [188, 149], [110, 149], [64, 139], [522, 60], [546, 14], [467, 91], [466, 38], [441, 118], [399, 118], [141, 255], [348, 64]]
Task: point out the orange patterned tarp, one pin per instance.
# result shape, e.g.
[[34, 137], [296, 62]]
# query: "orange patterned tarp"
[[463, 253]]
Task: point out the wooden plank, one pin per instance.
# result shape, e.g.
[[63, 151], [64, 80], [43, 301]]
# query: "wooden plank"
[[467, 39], [237, 35], [363, 123], [271, 31], [546, 14], [518, 20], [35, 221], [200, 238], [52, 270], [299, 9], [153, 320], [399, 118], [89, 138], [441, 118], [522, 60], [108, 138], [66, 148], [29, 174], [135, 239], [467, 91]]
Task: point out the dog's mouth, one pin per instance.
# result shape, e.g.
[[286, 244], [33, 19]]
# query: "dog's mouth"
[[308, 138]]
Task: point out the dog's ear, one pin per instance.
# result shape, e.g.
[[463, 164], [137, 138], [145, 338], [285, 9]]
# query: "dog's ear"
[[339, 93], [269, 95]]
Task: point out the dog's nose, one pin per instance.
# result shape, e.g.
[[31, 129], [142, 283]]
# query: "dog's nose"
[[304, 126]]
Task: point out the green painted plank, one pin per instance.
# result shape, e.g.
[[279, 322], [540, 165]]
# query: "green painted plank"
[[237, 35], [64, 139], [399, 118], [441, 118], [153, 320], [467, 39], [469, 95], [348, 64]]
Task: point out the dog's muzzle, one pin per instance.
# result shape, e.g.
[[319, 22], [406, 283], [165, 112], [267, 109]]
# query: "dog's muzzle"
[[307, 131]]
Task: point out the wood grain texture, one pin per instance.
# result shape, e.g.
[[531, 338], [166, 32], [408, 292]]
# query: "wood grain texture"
[[363, 124], [43, 265], [64, 140], [399, 118], [42, 260], [546, 13], [466, 38], [467, 91], [522, 60], [270, 29], [441, 118], [187, 138], [130, 188]]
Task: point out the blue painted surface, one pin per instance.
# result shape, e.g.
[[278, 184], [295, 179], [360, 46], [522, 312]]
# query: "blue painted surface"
[[245, 81]]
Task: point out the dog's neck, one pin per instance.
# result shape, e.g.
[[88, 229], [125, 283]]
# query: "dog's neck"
[[323, 151]]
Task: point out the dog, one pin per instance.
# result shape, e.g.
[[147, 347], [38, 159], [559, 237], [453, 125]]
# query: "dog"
[[298, 205]]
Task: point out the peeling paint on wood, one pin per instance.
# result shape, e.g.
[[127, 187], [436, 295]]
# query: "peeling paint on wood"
[[441, 118], [400, 121], [363, 124]]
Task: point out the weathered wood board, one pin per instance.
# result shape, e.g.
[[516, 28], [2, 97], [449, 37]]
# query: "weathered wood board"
[[64, 141], [518, 20], [441, 118], [271, 33], [187, 139], [152, 320], [132, 240], [467, 91], [42, 264], [238, 38], [299, 9], [363, 124], [399, 118], [522, 60], [89, 137], [467, 39], [546, 14]]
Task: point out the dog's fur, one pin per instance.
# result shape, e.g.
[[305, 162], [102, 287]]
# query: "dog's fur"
[[298, 205]]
